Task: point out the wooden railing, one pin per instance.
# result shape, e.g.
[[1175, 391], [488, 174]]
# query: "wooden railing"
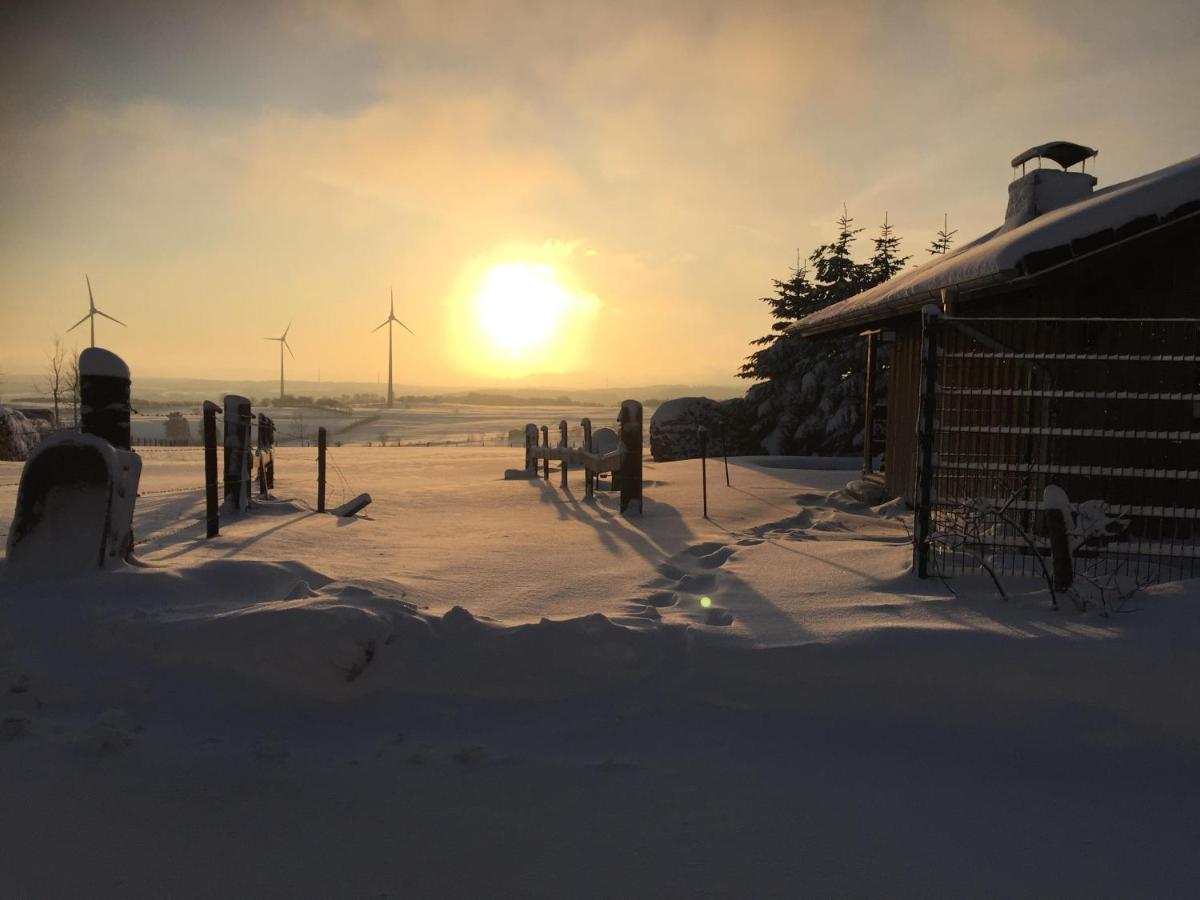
[[595, 457]]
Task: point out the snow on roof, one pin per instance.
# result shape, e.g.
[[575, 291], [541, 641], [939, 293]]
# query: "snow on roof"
[[1001, 255]]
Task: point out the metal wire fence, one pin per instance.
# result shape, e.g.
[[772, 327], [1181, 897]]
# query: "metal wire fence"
[[1107, 410]]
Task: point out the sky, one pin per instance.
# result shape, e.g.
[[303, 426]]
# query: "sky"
[[568, 193]]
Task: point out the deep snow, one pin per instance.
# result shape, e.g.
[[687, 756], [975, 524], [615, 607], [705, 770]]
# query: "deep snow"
[[488, 686]]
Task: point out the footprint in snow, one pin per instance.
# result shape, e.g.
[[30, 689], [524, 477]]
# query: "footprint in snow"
[[662, 599], [718, 616], [717, 558]]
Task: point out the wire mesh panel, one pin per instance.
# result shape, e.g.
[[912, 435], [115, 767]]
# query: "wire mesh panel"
[[1107, 410]]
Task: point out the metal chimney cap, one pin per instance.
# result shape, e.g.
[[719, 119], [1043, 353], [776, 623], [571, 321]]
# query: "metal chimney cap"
[[1064, 153]]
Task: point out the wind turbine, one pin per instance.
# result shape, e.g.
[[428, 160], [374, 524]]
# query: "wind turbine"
[[282, 343], [388, 322], [93, 312]]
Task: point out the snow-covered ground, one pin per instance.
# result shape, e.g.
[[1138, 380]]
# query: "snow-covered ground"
[[418, 423], [486, 686]]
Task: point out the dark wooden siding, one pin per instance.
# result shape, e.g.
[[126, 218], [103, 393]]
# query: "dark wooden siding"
[[1157, 276], [903, 392]]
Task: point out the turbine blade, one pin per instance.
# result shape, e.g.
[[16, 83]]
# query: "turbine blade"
[[391, 301], [286, 330], [289, 346], [91, 302], [406, 328], [107, 316], [385, 321], [80, 322]]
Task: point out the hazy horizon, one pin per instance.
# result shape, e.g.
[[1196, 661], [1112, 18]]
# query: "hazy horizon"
[[602, 194]]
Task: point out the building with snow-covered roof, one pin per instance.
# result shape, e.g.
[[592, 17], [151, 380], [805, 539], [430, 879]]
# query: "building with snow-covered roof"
[[1068, 345]]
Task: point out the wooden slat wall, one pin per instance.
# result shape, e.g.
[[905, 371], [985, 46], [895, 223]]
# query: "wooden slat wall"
[[903, 395]]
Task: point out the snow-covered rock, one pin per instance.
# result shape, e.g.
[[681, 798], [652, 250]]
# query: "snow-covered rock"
[[18, 435], [674, 427]]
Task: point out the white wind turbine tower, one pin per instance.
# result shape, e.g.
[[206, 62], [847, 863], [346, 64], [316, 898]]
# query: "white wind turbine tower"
[[282, 343], [93, 312], [388, 322]]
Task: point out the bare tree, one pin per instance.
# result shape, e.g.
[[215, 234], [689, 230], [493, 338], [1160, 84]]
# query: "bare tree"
[[54, 382], [73, 386]]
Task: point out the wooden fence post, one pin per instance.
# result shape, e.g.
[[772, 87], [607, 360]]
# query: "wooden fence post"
[[546, 460], [702, 433], [926, 425], [531, 440], [271, 461], [589, 477], [237, 445], [264, 452], [321, 437], [725, 448], [211, 516], [104, 396], [562, 442], [630, 419]]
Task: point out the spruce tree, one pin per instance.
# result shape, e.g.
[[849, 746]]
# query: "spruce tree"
[[887, 260], [810, 396], [941, 243]]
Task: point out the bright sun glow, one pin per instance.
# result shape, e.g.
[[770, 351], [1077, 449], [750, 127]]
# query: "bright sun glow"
[[520, 305]]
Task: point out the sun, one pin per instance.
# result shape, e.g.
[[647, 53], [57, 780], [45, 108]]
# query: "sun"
[[519, 306]]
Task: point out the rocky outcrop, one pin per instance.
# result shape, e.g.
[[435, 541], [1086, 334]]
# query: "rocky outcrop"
[[675, 424]]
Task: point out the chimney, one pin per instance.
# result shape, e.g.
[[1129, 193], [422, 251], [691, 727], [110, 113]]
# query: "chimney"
[[1041, 190]]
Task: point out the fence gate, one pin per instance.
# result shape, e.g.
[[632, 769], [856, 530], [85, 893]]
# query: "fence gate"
[[1106, 409]]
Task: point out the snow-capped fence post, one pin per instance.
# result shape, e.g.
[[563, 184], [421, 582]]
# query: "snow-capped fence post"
[[104, 396], [321, 438], [211, 516], [702, 434], [546, 459], [562, 442], [237, 451], [264, 451], [630, 419], [589, 477], [271, 461], [1057, 507], [925, 437], [531, 441]]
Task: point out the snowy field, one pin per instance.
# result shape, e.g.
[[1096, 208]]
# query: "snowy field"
[[485, 686], [418, 423]]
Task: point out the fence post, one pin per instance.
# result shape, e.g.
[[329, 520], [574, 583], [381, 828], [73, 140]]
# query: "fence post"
[[211, 515], [589, 477], [271, 461], [630, 419], [562, 442], [1057, 507], [320, 470], [531, 439], [104, 396], [702, 433], [546, 459], [264, 451], [725, 448], [869, 410], [237, 442], [926, 425]]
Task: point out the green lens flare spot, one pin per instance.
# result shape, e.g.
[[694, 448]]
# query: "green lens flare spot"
[[706, 602]]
